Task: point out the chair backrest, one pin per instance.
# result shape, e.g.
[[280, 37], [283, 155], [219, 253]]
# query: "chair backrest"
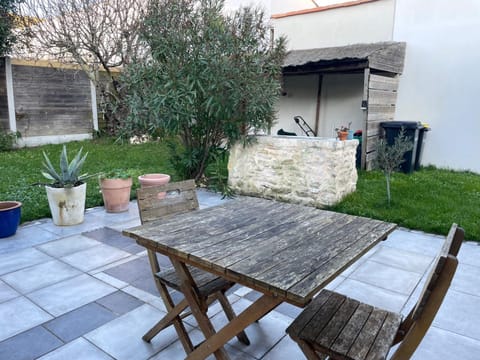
[[157, 201], [419, 320]]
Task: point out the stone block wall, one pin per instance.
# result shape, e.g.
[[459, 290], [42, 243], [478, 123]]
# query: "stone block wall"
[[304, 170]]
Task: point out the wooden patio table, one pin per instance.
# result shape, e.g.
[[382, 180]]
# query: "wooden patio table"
[[286, 251]]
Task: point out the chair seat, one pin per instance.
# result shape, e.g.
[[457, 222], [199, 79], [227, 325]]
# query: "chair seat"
[[207, 283], [341, 327]]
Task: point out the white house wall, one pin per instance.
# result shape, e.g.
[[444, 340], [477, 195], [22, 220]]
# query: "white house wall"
[[366, 23], [440, 83]]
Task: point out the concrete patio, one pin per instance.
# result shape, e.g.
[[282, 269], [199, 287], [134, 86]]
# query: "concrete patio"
[[86, 292]]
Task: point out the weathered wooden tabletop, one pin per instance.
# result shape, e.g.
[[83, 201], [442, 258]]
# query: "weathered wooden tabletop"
[[285, 250]]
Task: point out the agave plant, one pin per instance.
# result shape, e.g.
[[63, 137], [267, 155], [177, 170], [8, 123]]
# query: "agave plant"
[[69, 175]]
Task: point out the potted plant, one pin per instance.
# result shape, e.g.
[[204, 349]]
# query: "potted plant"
[[67, 191], [10, 212], [343, 132], [115, 186]]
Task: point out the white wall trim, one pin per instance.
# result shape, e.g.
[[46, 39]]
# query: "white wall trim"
[[93, 95], [50, 139], [10, 97]]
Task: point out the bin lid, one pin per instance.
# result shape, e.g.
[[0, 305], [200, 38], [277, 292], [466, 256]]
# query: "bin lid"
[[400, 124]]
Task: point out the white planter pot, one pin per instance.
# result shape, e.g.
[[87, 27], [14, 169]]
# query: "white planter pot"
[[67, 205]]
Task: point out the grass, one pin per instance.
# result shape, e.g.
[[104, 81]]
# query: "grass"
[[429, 200], [21, 168]]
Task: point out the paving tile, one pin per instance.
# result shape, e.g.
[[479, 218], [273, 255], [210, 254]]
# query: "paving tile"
[[77, 349], [384, 299], [469, 253], [176, 352], [386, 277], [122, 338], [25, 237], [6, 292], [442, 344], [120, 302], [402, 259], [153, 300], [289, 310], [94, 257], [29, 345], [286, 349], [70, 294], [413, 241], [467, 279], [263, 335], [132, 270], [459, 313], [38, 276], [62, 231], [18, 315], [67, 245], [110, 280], [80, 321], [17, 260], [115, 238]]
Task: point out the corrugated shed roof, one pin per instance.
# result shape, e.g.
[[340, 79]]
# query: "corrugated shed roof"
[[390, 52]]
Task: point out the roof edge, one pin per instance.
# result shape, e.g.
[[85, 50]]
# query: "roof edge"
[[322, 8]]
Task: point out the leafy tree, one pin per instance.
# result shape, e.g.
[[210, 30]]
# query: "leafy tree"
[[390, 157], [208, 77], [8, 8]]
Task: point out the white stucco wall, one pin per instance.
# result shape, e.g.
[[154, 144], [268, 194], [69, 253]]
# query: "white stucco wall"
[[440, 83], [369, 22]]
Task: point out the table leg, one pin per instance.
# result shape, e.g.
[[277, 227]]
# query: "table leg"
[[256, 311], [198, 307]]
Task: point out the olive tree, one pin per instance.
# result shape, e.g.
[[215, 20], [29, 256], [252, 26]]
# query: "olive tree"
[[390, 157], [207, 77]]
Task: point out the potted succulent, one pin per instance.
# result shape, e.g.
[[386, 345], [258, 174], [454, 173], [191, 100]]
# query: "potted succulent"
[[10, 212], [115, 186], [343, 132], [67, 191]]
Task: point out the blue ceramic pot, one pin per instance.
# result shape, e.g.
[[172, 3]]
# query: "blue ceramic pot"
[[10, 212]]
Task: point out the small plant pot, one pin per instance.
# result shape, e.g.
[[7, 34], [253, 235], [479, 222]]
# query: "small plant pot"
[[116, 194], [148, 180], [10, 212], [67, 205]]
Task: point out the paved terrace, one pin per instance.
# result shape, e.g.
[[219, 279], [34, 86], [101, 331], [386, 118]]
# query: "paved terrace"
[[86, 292]]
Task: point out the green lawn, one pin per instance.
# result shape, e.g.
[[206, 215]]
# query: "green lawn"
[[21, 168], [428, 200]]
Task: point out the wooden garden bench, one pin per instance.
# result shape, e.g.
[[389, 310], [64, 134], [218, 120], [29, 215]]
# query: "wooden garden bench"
[[339, 327], [159, 202]]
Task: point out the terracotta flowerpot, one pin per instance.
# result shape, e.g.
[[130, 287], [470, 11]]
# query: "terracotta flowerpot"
[[67, 205], [148, 180], [342, 135], [10, 212], [116, 194]]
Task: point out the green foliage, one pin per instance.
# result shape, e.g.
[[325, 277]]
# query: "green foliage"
[[390, 157], [217, 173], [8, 139], [208, 78], [8, 9], [117, 174], [69, 174]]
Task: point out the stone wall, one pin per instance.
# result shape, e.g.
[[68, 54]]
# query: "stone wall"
[[310, 171]]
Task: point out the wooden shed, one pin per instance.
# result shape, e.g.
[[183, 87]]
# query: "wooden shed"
[[381, 64]]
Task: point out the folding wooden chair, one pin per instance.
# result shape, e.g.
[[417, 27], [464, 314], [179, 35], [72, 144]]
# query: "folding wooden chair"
[[166, 200], [338, 327]]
